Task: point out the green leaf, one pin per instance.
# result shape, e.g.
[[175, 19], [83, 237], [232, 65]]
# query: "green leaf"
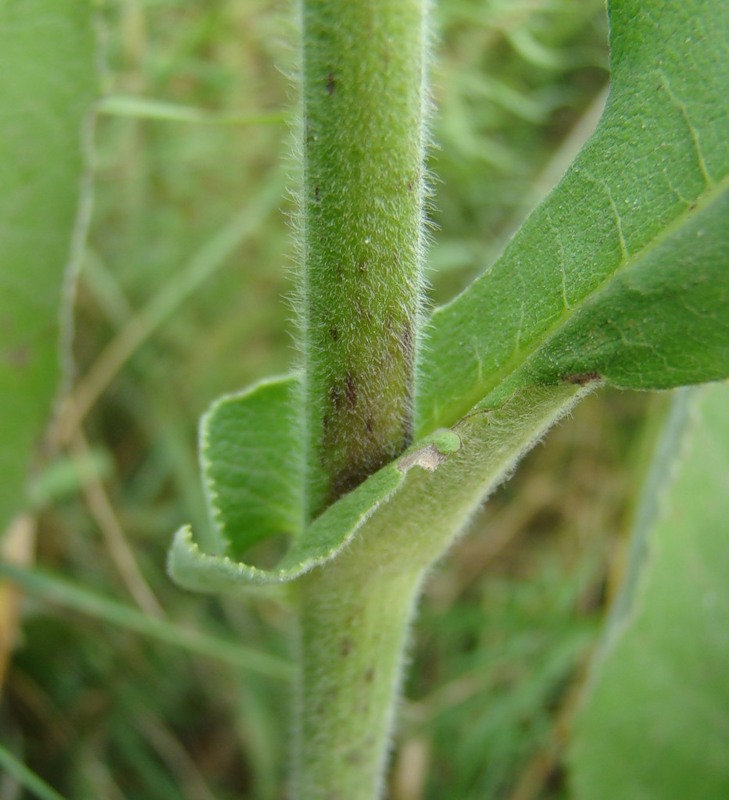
[[252, 454], [400, 518], [47, 58], [324, 539], [623, 272], [252, 457], [655, 721]]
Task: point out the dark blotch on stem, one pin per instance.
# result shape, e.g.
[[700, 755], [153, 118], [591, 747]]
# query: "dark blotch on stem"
[[582, 378], [331, 84], [334, 333], [350, 390], [345, 647], [336, 396], [406, 341]]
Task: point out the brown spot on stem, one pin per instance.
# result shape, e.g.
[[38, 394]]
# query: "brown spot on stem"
[[345, 647], [369, 675], [350, 390], [334, 333], [369, 425], [316, 194], [582, 378], [406, 340], [331, 84]]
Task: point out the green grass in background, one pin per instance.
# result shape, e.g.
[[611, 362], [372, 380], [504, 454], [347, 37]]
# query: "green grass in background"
[[188, 262]]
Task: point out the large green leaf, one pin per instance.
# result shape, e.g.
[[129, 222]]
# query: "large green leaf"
[[623, 272], [655, 723], [47, 63]]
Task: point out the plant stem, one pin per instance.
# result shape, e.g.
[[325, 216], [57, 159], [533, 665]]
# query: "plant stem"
[[364, 108], [352, 629]]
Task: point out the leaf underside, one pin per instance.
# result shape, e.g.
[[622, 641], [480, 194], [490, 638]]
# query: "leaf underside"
[[624, 270], [47, 57], [656, 715], [620, 276]]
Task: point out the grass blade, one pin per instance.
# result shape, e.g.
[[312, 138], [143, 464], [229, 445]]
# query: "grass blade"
[[55, 590]]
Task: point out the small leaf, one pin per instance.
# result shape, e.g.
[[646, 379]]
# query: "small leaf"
[[655, 721], [404, 515], [252, 453], [623, 272], [321, 541], [325, 538], [47, 59]]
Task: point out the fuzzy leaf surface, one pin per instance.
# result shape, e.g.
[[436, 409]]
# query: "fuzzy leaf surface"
[[48, 62], [656, 715], [623, 271]]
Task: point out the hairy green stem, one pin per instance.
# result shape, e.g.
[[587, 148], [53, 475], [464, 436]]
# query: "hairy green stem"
[[364, 108], [353, 628]]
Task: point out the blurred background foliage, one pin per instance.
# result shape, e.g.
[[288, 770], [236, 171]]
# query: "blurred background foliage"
[[183, 297]]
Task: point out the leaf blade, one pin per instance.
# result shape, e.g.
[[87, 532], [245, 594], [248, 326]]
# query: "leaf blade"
[[656, 158], [48, 48], [252, 456], [654, 717]]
